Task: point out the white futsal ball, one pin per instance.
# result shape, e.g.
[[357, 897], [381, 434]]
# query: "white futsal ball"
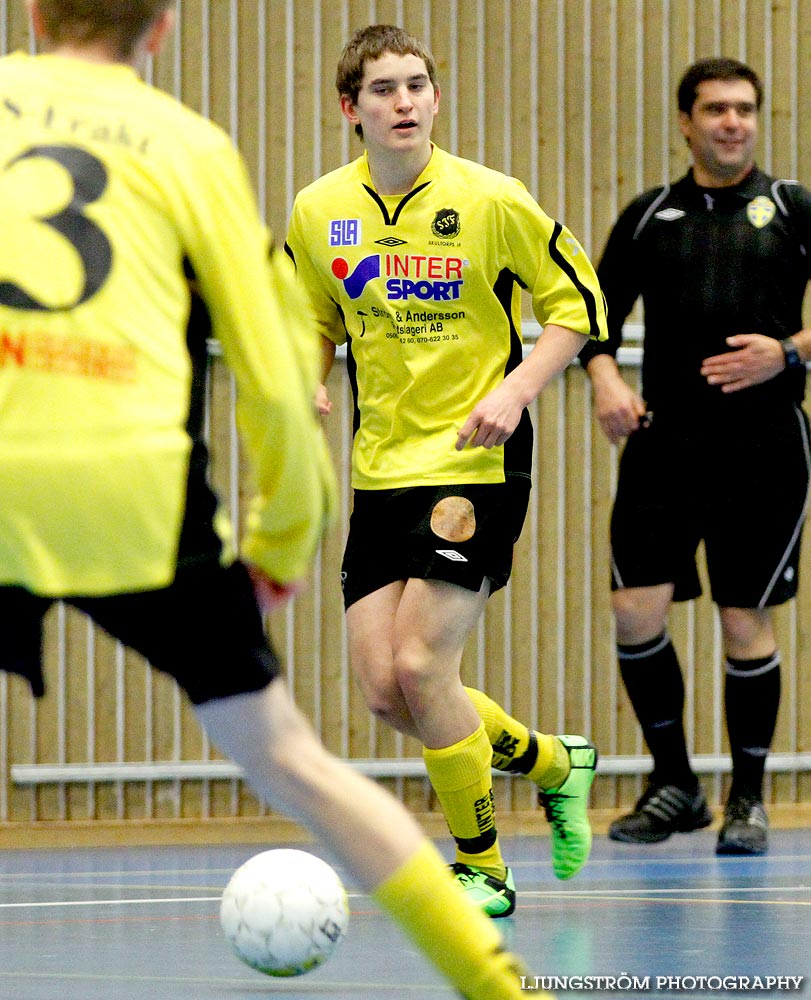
[[284, 911]]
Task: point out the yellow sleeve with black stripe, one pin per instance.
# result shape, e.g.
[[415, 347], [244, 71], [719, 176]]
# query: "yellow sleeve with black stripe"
[[551, 265], [270, 344]]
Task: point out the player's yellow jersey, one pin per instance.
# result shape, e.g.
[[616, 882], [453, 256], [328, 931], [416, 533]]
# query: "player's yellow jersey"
[[425, 290], [106, 187]]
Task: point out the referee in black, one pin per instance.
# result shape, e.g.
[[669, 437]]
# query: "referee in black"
[[717, 445]]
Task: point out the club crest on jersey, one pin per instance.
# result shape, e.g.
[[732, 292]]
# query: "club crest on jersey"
[[446, 224], [760, 211], [428, 277], [344, 232]]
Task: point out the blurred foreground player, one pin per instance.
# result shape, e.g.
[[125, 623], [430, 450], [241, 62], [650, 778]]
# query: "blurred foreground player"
[[111, 192]]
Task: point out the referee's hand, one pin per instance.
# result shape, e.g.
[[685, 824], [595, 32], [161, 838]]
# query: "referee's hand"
[[755, 358], [619, 410]]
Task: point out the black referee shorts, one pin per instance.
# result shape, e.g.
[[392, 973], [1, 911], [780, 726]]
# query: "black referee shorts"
[[205, 630], [742, 489], [462, 534]]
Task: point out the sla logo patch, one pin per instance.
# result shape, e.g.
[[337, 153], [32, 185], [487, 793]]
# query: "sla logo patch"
[[446, 225], [344, 233], [760, 211]]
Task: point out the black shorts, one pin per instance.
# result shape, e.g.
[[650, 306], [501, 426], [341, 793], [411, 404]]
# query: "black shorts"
[[459, 534], [205, 630], [743, 490]]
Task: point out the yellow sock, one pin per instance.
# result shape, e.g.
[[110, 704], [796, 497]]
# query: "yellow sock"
[[462, 781], [542, 758], [459, 939]]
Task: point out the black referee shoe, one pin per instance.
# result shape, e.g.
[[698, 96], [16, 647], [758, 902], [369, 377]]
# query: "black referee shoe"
[[745, 829], [661, 811]]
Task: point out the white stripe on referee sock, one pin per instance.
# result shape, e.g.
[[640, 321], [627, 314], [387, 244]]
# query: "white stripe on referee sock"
[[645, 652], [732, 672]]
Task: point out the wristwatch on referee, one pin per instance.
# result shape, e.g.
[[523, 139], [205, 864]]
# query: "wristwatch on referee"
[[791, 354]]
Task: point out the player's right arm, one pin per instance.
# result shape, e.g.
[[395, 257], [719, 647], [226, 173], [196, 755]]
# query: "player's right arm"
[[322, 401], [327, 315]]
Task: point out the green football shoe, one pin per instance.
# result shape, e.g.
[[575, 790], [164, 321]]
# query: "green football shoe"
[[566, 809], [488, 893]]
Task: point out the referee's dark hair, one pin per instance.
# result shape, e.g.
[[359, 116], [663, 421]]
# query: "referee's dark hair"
[[716, 68]]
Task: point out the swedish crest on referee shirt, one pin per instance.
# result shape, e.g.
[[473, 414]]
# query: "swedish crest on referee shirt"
[[760, 211]]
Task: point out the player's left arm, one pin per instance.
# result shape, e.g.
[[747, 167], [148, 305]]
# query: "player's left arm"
[[567, 302], [495, 417]]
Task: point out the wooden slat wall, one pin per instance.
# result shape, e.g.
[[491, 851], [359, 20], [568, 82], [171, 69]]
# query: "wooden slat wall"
[[576, 99]]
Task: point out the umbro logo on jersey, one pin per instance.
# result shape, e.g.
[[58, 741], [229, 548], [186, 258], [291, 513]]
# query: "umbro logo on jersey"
[[391, 241], [451, 554], [669, 214]]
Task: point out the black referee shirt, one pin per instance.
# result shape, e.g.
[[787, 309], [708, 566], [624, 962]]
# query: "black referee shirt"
[[708, 263]]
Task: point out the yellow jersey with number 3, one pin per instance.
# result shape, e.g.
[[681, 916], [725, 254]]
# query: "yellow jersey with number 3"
[[107, 187]]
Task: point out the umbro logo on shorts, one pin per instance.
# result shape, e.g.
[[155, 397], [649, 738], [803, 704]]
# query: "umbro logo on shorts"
[[451, 554]]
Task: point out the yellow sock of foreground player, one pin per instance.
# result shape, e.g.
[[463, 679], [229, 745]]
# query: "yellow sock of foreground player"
[[460, 775], [460, 940]]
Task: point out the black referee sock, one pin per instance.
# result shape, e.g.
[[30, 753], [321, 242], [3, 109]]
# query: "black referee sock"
[[653, 680], [751, 700]]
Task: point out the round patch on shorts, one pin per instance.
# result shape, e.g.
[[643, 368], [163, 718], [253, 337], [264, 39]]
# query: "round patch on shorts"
[[453, 519]]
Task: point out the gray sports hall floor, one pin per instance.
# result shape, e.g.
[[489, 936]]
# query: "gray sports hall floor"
[[138, 923]]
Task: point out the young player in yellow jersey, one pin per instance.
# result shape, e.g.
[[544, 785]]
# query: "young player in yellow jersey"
[[415, 259], [111, 194]]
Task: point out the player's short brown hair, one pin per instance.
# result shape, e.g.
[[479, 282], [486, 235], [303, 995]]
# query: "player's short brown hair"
[[121, 23], [370, 43]]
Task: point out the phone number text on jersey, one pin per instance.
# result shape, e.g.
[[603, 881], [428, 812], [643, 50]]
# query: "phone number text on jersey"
[[421, 327]]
